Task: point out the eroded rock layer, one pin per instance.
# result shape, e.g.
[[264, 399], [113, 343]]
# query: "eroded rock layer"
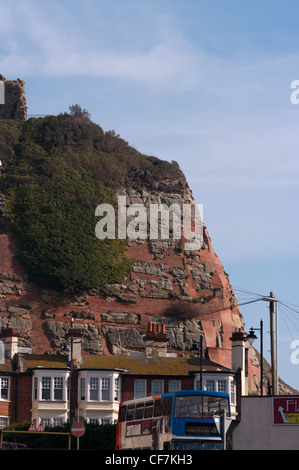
[[187, 291]]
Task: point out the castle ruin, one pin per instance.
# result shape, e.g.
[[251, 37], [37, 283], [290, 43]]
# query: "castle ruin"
[[13, 102]]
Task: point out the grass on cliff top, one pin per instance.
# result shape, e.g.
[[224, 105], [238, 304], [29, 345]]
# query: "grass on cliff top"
[[58, 169]]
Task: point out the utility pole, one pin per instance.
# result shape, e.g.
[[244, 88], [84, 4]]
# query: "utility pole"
[[262, 359], [273, 358], [273, 340]]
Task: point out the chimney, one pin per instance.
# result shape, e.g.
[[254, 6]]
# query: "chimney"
[[74, 339], [156, 341], [10, 338], [240, 357]]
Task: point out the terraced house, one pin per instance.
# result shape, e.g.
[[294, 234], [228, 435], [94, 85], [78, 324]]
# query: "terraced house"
[[57, 388]]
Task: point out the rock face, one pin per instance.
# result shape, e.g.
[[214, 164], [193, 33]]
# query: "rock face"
[[14, 106], [188, 291]]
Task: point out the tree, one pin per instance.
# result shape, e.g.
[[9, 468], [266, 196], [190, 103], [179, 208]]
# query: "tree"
[[78, 113]]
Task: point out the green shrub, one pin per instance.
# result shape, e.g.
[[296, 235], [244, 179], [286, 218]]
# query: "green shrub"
[[96, 437], [60, 168]]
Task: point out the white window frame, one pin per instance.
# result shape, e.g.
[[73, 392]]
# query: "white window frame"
[[220, 384], [82, 389], [52, 421], [160, 389], [172, 386], [93, 388], [3, 382], [105, 420], [105, 388], [97, 420], [4, 421], [210, 385], [140, 393], [46, 384], [232, 390], [55, 381], [99, 386], [116, 393], [218, 381]]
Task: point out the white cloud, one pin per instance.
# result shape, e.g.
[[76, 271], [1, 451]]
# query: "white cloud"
[[50, 45]]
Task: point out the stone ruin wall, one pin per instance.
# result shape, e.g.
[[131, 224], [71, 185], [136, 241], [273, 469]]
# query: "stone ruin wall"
[[14, 106]]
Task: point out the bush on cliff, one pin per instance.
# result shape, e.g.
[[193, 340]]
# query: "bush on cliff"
[[52, 195], [59, 169]]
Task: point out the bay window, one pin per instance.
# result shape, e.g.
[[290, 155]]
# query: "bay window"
[[105, 389], [50, 387], [93, 386]]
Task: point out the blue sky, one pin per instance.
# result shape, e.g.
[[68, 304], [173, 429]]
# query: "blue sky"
[[202, 82]]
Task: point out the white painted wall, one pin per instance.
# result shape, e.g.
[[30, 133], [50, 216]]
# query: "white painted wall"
[[256, 430]]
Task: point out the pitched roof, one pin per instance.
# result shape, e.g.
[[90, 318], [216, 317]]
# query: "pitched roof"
[[49, 361], [133, 365], [8, 366], [151, 366]]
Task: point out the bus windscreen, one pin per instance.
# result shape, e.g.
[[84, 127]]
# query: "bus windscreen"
[[199, 406]]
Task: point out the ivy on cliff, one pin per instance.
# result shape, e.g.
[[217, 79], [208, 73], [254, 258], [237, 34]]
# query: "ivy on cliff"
[[52, 194], [58, 170]]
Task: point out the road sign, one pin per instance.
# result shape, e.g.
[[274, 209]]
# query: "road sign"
[[78, 429], [36, 427], [286, 410]]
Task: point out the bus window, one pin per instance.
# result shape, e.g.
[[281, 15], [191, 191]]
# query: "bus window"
[[224, 405], [212, 405], [139, 410], [158, 411], [130, 412], [148, 411], [122, 413], [167, 406], [188, 406]]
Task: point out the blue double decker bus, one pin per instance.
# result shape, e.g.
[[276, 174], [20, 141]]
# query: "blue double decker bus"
[[183, 420]]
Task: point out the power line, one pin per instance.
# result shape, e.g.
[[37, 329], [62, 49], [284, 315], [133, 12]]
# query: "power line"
[[245, 291], [286, 305]]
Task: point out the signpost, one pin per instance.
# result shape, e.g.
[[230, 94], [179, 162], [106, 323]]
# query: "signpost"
[[286, 410], [78, 430]]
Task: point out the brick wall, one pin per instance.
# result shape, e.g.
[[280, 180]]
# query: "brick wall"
[[187, 383], [23, 398]]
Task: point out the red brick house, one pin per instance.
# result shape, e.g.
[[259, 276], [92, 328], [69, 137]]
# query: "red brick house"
[[38, 387]]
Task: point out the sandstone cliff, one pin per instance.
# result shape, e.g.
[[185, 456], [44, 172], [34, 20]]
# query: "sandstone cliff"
[[188, 291]]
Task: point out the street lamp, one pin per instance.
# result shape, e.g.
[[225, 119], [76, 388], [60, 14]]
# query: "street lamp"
[[251, 337], [69, 350], [199, 349], [71, 374], [273, 338]]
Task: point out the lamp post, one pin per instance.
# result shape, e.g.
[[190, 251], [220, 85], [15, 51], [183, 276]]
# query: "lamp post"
[[69, 350], [71, 375], [251, 337], [273, 338], [199, 349]]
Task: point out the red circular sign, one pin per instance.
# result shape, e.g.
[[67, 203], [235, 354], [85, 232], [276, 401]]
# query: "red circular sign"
[[78, 429]]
